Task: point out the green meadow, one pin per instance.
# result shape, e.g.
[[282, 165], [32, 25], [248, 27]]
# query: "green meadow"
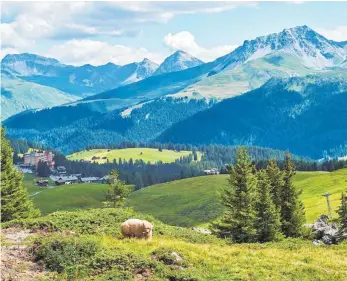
[[194, 201], [187, 202], [97, 251], [65, 197], [151, 155]]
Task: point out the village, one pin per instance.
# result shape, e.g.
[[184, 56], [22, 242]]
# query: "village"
[[58, 174]]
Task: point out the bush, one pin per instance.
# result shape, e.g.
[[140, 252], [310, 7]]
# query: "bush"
[[67, 254]]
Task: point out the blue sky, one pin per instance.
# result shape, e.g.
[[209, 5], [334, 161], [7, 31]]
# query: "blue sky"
[[123, 32]]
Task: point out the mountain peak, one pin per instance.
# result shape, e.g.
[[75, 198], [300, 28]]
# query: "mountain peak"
[[312, 49], [26, 57], [178, 61]]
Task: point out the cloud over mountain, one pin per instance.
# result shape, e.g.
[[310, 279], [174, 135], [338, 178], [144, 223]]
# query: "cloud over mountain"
[[185, 41]]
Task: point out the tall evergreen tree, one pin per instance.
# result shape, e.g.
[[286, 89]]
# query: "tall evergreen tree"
[[292, 209], [15, 201], [275, 176], [238, 219], [267, 217], [342, 211]]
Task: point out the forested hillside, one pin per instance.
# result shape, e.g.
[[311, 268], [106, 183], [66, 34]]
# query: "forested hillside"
[[306, 115], [73, 128]]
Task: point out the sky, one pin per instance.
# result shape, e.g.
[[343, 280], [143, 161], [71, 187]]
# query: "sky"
[[123, 32]]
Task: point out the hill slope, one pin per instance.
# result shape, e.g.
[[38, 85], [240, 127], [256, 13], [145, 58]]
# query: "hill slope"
[[306, 115], [194, 201], [73, 128], [95, 251], [19, 95]]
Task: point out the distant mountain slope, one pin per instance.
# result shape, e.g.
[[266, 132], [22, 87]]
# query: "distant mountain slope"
[[72, 128], [176, 62], [18, 95], [304, 114], [78, 80]]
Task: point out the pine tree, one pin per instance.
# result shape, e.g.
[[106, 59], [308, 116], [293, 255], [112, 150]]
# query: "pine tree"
[[342, 211], [117, 192], [292, 209], [267, 217], [238, 219], [15, 201], [275, 176]]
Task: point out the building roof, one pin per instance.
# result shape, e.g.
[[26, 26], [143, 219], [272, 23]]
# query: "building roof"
[[90, 179]]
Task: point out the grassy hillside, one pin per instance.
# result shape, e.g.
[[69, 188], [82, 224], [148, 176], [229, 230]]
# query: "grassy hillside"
[[194, 201], [146, 154], [66, 197], [185, 202], [99, 253], [19, 95]]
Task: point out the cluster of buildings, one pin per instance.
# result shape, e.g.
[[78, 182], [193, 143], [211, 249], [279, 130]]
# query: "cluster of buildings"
[[76, 178], [33, 158]]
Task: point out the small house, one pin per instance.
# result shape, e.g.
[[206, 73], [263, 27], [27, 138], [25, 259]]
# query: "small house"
[[61, 170], [90, 180], [60, 182], [42, 183], [213, 171]]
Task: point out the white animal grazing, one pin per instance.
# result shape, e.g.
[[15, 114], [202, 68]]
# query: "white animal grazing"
[[137, 228]]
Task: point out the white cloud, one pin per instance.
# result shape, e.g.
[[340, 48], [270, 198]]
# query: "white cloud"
[[67, 20], [79, 52], [27, 24], [185, 41], [338, 33]]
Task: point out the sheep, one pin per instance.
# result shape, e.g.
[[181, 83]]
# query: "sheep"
[[137, 228]]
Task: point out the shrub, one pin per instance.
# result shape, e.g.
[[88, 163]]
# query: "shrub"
[[65, 253]]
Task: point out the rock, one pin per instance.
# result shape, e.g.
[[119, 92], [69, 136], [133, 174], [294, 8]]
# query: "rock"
[[317, 242], [176, 257], [202, 230], [327, 239], [324, 231], [341, 235]]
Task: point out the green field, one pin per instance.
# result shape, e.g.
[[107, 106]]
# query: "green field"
[[65, 197], [151, 155], [194, 201]]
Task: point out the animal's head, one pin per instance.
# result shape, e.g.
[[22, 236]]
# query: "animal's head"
[[147, 228]]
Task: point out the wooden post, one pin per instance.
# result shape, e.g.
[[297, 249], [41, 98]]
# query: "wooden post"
[[326, 195]]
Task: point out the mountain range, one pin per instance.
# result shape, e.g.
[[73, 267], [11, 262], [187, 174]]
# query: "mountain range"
[[266, 92], [52, 83]]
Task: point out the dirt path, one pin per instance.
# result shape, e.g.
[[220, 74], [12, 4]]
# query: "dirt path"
[[16, 261]]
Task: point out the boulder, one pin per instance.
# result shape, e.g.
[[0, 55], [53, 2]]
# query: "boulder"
[[324, 231], [317, 243], [202, 230]]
